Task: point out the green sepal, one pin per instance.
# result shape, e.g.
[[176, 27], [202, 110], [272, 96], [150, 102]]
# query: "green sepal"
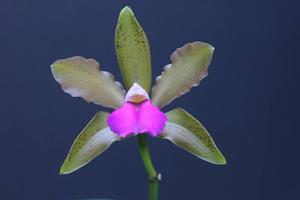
[[132, 50], [188, 133], [93, 140]]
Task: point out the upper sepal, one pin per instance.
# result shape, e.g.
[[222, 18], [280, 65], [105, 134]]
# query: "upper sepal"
[[132, 50], [188, 133], [189, 66], [93, 140], [81, 77]]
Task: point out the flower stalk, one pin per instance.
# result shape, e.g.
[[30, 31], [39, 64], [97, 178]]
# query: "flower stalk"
[[153, 189], [154, 177]]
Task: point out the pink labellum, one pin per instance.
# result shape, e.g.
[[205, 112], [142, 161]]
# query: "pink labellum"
[[151, 119], [133, 118]]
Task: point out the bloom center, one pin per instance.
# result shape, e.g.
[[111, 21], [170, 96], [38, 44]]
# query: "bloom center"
[[137, 115]]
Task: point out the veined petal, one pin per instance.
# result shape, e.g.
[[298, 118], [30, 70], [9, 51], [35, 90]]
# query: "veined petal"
[[132, 50], [132, 119], [82, 77], [188, 133], [93, 140], [188, 68]]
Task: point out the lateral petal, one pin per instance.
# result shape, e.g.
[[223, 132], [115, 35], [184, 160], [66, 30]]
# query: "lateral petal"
[[188, 68], [81, 77]]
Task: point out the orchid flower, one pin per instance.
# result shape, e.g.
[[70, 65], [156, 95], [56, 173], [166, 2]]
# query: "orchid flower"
[[136, 114]]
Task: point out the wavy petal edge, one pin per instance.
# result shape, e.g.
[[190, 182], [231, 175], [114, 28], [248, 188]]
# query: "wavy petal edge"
[[163, 91], [81, 77]]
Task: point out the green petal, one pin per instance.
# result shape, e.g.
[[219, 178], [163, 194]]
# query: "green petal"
[[188, 68], [188, 133], [133, 51], [82, 77], [93, 140]]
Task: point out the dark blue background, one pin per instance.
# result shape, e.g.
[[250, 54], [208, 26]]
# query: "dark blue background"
[[249, 101]]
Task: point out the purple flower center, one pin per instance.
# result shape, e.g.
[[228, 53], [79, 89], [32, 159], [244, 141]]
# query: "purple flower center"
[[137, 115]]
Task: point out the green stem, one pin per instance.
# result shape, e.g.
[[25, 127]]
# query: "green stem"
[[153, 176], [153, 190]]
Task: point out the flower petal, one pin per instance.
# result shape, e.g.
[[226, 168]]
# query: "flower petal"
[[133, 51], [189, 134], [188, 68], [93, 140], [82, 77], [124, 120], [132, 119], [151, 119]]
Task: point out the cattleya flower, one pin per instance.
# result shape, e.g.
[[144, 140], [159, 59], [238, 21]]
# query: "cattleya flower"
[[135, 112]]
